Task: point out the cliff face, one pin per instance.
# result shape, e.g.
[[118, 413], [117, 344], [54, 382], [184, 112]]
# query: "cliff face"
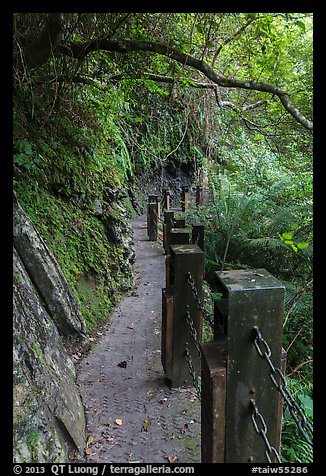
[[49, 416], [49, 419]]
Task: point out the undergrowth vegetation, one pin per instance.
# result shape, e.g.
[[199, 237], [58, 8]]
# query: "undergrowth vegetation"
[[63, 162], [260, 216]]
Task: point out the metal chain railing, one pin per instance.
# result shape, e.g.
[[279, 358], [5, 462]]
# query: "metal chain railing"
[[193, 331], [194, 335], [198, 301], [192, 371], [258, 419], [295, 410]]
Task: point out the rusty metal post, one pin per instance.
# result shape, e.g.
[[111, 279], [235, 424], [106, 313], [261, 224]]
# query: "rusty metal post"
[[167, 327], [167, 227], [213, 395], [177, 300], [151, 199], [155, 199], [152, 221], [250, 298], [199, 195], [198, 235], [179, 223], [184, 198], [166, 195], [179, 236], [158, 209]]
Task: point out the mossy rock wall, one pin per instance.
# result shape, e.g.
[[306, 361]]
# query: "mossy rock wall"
[[49, 417]]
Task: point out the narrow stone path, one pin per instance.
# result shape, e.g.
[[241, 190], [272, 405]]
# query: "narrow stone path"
[[132, 415]]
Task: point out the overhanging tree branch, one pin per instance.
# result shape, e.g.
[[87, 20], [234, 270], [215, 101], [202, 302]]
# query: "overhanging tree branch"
[[80, 50], [102, 85]]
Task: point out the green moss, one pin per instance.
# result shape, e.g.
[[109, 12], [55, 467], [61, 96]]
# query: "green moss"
[[32, 442], [78, 241], [92, 297], [32, 439], [39, 353], [17, 278], [66, 158]]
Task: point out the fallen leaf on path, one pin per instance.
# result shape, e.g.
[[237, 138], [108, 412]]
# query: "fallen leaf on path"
[[172, 459], [89, 451], [146, 424], [89, 441], [123, 364], [118, 422]]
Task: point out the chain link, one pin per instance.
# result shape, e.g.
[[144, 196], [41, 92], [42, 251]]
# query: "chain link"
[[256, 417], [193, 331], [198, 302], [192, 371], [295, 410]]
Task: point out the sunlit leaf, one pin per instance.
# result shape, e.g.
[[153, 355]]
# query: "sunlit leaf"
[[303, 245], [146, 424], [287, 236]]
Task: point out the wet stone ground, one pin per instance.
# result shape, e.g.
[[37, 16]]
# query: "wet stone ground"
[[132, 414]]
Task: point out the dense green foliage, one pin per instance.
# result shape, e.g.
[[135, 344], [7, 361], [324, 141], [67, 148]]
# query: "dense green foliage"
[[98, 125], [260, 216], [54, 166]]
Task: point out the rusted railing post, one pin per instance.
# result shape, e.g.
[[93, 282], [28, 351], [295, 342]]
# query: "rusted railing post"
[[167, 227], [179, 223], [151, 199], [177, 300], [198, 235], [174, 231], [176, 234], [184, 198], [199, 195], [179, 236], [251, 299], [152, 221], [213, 395], [166, 198], [155, 199]]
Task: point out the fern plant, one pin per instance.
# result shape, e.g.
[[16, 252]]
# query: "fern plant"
[[295, 448]]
